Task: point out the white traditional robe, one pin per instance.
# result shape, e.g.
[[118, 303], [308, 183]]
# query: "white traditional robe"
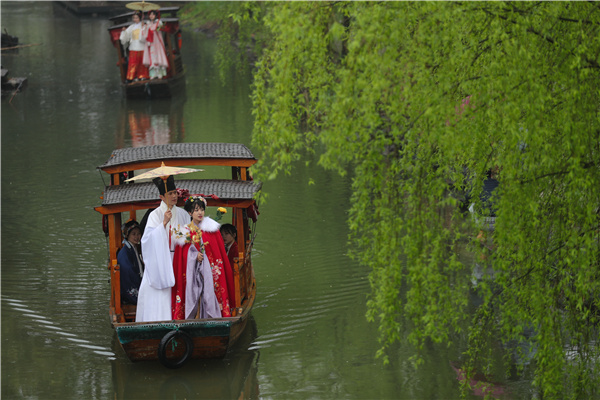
[[133, 37], [154, 298]]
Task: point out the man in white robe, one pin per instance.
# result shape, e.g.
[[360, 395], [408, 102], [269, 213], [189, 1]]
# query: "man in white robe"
[[154, 298]]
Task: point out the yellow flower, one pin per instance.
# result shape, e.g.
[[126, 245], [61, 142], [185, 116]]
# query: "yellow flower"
[[222, 210]]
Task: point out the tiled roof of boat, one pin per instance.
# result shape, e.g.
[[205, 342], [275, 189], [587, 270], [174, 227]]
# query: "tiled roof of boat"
[[178, 150], [222, 188]]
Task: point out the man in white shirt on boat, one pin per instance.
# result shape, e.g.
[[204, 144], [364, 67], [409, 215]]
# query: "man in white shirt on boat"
[[154, 298]]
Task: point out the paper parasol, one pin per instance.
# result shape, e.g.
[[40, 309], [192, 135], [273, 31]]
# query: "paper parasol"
[[165, 171], [142, 6]]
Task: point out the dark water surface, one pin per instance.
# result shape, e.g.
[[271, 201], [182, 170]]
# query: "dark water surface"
[[309, 337]]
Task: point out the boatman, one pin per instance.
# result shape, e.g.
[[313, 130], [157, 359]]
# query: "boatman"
[[158, 244]]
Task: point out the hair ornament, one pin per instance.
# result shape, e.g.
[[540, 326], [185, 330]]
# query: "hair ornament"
[[192, 199]]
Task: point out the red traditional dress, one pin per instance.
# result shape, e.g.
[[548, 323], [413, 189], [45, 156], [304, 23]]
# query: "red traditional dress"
[[232, 252], [207, 238], [133, 38]]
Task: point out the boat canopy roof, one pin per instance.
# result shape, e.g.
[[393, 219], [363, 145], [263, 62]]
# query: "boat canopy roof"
[[218, 192], [166, 22], [164, 12], [178, 154]]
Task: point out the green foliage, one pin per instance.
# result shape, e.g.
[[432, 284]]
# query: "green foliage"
[[417, 101], [239, 29]]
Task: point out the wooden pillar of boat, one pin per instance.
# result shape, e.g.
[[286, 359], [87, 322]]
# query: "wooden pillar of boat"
[[115, 239], [132, 215], [239, 223], [114, 228], [116, 277]]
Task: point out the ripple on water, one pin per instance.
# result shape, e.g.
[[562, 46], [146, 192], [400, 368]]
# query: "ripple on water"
[[297, 312], [45, 328]]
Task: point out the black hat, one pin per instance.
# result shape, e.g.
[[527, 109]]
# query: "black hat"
[[164, 186]]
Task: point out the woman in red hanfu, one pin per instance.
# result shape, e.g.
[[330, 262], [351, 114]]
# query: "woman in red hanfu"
[[203, 235]]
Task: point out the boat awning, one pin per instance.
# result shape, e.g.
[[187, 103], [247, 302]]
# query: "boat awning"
[[178, 154], [226, 193], [165, 13], [128, 22]]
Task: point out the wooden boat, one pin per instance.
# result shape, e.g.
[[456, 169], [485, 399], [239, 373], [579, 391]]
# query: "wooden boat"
[[233, 377], [8, 40], [152, 88], [201, 338]]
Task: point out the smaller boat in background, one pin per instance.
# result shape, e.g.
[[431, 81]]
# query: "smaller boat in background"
[[152, 88]]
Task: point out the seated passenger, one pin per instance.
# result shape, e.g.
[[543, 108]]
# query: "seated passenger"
[[130, 260], [229, 234]]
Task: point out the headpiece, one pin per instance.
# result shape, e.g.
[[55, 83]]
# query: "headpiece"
[[164, 185], [192, 199], [127, 227]]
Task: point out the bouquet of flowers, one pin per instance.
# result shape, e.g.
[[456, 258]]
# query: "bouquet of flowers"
[[196, 237], [220, 212]]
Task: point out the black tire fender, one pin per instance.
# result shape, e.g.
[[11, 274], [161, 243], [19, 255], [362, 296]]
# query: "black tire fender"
[[162, 348]]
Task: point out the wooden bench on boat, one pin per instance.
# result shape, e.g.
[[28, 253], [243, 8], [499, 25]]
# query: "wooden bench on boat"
[[210, 337]]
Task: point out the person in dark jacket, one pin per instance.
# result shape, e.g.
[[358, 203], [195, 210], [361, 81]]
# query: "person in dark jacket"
[[131, 263]]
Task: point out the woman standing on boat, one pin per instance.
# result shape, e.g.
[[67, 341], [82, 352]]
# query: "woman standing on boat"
[[207, 231], [155, 57], [133, 38], [193, 295]]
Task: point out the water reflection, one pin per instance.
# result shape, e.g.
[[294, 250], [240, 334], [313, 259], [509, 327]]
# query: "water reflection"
[[234, 377], [145, 123]]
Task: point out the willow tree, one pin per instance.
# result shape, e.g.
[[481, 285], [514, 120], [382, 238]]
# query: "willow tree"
[[416, 102]]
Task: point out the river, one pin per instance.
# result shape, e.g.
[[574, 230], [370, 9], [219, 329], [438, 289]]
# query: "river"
[[309, 337]]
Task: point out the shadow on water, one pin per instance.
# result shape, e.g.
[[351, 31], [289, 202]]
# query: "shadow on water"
[[233, 377]]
